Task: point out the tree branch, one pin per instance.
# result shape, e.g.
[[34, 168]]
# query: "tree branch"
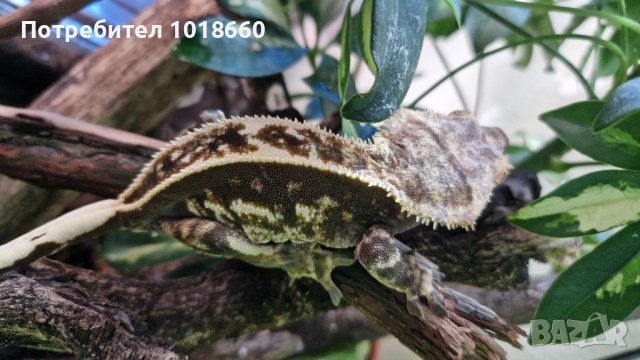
[[191, 312], [244, 299], [129, 83], [53, 151]]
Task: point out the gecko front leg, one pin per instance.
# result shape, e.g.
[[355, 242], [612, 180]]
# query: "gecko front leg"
[[297, 259], [399, 267]]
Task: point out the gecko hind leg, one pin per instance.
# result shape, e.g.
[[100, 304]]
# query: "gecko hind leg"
[[314, 261], [399, 267], [297, 259]]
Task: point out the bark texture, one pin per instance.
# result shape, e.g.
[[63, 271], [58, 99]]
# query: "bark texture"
[[128, 83], [56, 306], [59, 152], [232, 300]]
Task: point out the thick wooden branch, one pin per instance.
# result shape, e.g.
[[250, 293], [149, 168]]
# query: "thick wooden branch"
[[190, 321], [50, 150], [130, 83], [103, 161], [227, 302]]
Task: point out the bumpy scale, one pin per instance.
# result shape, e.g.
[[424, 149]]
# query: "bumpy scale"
[[283, 194]]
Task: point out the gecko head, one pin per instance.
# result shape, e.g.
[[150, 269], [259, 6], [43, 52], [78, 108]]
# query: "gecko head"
[[444, 166]]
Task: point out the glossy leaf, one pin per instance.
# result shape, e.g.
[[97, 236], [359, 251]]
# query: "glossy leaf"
[[623, 105], [573, 123], [364, 31], [344, 65], [322, 11], [605, 281], [269, 10], [608, 63], [485, 30], [397, 33], [456, 9], [249, 57], [441, 19], [324, 81], [130, 251], [539, 24], [314, 109], [592, 203], [548, 157]]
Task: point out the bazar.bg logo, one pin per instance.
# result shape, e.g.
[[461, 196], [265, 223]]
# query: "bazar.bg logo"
[[578, 332]]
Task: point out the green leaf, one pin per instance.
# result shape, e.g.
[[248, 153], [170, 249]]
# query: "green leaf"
[[441, 20], [618, 145], [546, 158], [322, 11], [590, 204], [605, 281], [623, 105], [397, 33], [344, 66], [236, 56], [539, 24], [456, 9], [608, 63], [324, 81], [130, 251], [485, 30], [364, 35], [269, 10]]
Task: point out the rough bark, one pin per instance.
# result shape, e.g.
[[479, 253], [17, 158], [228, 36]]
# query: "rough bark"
[[191, 311], [128, 83], [49, 150], [54, 151], [92, 314]]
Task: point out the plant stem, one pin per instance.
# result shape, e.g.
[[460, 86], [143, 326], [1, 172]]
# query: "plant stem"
[[612, 18], [622, 9], [455, 84], [525, 34], [609, 46], [596, 58], [479, 86]]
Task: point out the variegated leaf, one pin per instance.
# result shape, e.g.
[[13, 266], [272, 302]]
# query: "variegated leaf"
[[590, 204], [606, 281]]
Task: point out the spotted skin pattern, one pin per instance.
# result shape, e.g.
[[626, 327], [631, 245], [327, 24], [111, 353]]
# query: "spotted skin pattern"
[[288, 195]]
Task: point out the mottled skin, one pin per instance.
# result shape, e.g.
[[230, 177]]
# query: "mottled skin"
[[277, 193]]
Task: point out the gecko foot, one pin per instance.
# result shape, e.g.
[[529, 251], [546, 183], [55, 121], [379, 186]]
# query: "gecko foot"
[[399, 267]]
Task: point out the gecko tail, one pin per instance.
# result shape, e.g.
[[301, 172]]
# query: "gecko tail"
[[59, 233]]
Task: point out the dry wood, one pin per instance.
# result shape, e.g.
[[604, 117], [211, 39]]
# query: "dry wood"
[[129, 83], [94, 314], [438, 338], [59, 152]]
